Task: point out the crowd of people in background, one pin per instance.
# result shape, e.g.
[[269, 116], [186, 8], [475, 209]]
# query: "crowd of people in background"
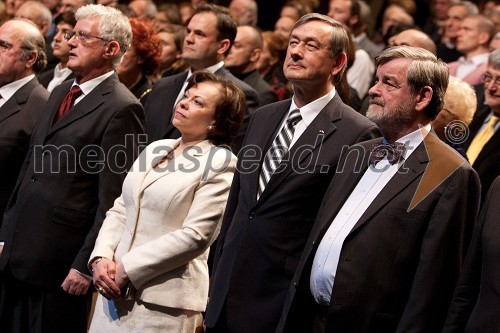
[[249, 166]]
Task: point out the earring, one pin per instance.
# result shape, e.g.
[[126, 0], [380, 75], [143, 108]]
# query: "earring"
[[210, 127]]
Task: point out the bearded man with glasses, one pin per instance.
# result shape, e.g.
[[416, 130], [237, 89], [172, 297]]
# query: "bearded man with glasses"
[[85, 141]]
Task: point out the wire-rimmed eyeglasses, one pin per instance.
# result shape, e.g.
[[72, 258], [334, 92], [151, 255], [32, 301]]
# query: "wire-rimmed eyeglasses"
[[82, 37]]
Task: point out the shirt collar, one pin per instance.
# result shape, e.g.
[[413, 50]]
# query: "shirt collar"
[[8, 90], [89, 85], [476, 60], [414, 139], [311, 110]]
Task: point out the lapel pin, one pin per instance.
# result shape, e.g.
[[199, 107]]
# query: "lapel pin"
[[321, 131]]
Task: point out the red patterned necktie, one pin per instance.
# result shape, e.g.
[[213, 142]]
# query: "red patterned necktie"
[[68, 101]]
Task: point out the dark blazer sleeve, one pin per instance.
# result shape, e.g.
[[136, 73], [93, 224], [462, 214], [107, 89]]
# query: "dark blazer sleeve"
[[448, 232], [468, 286], [129, 123]]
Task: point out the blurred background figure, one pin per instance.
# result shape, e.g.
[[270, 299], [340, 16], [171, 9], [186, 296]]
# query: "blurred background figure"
[[270, 64], [141, 59], [457, 11], [284, 26], [170, 61], [459, 106], [73, 5], [144, 9], [242, 62], [413, 37], [50, 79], [244, 12], [293, 9], [434, 24], [186, 10], [168, 13], [394, 15]]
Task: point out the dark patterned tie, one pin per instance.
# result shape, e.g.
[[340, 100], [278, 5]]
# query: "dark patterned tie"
[[393, 151], [68, 101], [278, 149]]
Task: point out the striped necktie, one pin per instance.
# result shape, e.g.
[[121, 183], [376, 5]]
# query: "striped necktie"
[[278, 149]]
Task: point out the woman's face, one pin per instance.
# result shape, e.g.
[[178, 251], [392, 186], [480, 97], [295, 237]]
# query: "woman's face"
[[169, 52], [266, 59], [196, 111]]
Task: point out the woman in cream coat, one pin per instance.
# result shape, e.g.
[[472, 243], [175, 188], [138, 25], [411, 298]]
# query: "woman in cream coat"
[[149, 262]]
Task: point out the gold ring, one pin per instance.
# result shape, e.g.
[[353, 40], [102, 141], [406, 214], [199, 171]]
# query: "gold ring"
[[100, 289]]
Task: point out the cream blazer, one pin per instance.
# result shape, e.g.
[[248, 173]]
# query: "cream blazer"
[[163, 223]]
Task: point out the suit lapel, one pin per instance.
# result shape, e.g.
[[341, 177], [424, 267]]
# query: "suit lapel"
[[313, 137], [265, 138], [20, 97], [183, 162], [416, 164], [87, 105]]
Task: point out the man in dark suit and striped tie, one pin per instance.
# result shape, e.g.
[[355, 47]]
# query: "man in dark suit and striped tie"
[[288, 158]]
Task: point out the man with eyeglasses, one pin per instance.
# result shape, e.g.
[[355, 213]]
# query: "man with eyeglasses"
[[483, 144], [85, 141], [22, 55]]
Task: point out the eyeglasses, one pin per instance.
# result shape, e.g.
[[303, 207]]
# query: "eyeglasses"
[[82, 37], [487, 78]]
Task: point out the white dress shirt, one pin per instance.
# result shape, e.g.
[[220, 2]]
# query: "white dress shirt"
[[60, 75], [369, 187], [90, 85], [8, 90], [308, 113]]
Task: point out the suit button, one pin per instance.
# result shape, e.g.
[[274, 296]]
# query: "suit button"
[[33, 179], [251, 215], [295, 284]]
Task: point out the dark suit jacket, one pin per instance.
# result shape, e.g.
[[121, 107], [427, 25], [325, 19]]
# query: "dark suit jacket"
[[397, 268], [261, 240], [266, 93], [476, 302], [487, 164], [160, 105], [71, 176], [18, 117]]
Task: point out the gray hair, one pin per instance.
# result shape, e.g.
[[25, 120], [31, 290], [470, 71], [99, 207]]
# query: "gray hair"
[[339, 40], [470, 7], [113, 26], [424, 70], [494, 59], [32, 41]]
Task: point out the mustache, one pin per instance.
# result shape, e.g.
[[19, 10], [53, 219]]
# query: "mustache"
[[377, 101]]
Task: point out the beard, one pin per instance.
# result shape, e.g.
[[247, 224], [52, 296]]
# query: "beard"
[[391, 121]]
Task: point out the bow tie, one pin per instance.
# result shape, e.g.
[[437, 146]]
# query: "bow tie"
[[393, 151]]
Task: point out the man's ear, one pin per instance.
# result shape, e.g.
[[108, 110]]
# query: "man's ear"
[[423, 98], [112, 49], [30, 59], [340, 63], [223, 46], [254, 57]]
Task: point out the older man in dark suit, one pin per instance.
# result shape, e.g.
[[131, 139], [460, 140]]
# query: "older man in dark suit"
[[210, 34], [395, 223], [22, 55], [277, 191], [83, 145]]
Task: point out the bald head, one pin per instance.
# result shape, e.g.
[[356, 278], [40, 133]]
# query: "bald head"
[[245, 51], [37, 13], [26, 50], [413, 37]]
